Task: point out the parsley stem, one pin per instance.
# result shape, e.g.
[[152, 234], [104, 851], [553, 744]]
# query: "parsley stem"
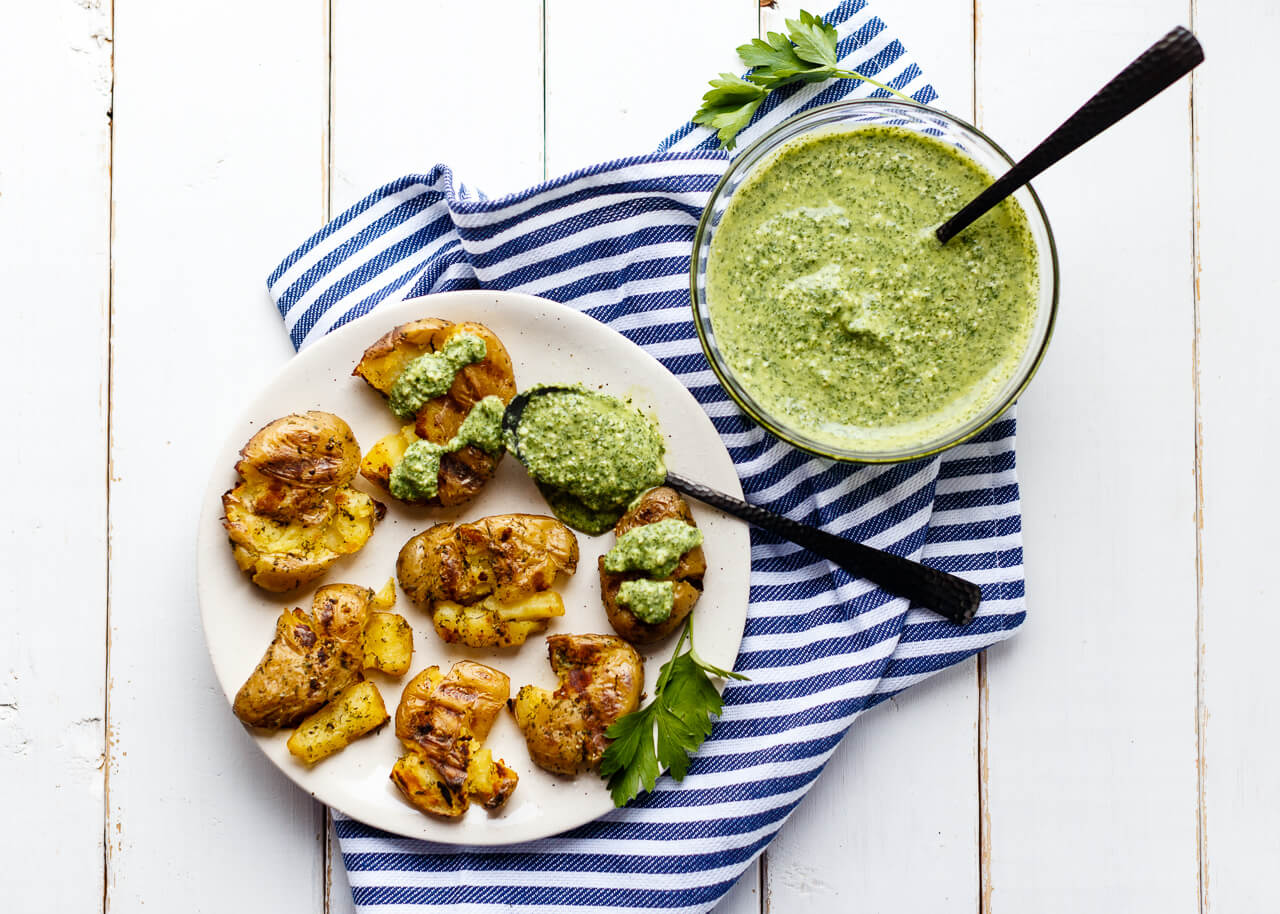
[[686, 632], [854, 74]]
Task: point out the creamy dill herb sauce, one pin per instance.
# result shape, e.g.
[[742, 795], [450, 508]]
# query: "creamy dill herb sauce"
[[837, 308]]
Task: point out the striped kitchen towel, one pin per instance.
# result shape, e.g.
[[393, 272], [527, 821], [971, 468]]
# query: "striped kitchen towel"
[[820, 646]]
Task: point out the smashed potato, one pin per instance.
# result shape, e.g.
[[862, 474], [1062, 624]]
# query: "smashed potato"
[[658, 504], [484, 583], [388, 637], [310, 661], [441, 720], [293, 514], [354, 713], [600, 680], [492, 623], [388, 643], [463, 473]]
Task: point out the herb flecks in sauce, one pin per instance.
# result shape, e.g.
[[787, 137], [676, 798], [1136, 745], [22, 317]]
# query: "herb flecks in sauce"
[[417, 475], [649, 601], [431, 375], [591, 454], [837, 308], [653, 548]]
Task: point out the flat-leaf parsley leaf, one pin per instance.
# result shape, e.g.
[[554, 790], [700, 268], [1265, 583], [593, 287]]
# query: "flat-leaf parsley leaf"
[[807, 53], [668, 730]]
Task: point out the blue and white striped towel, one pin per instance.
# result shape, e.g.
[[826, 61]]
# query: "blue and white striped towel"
[[820, 647]]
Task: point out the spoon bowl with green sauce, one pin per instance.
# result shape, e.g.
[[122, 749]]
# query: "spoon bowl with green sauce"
[[829, 310], [592, 455]]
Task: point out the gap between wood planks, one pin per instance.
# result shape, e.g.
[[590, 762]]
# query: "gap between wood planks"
[[1202, 855], [984, 720], [323, 814], [107, 741]]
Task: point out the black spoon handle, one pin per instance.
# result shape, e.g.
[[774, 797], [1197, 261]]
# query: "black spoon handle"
[[1160, 66], [952, 597]]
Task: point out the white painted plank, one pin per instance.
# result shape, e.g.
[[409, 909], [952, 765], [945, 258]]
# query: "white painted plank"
[[621, 77], [1239, 400], [893, 823], [1091, 740], [407, 96], [453, 82], [220, 129], [54, 231]]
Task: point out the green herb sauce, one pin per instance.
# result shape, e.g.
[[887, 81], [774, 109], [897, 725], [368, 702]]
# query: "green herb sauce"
[[653, 548], [840, 312], [431, 375], [649, 601], [591, 454], [417, 476]]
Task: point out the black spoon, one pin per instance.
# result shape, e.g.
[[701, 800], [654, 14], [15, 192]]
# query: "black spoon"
[[1160, 66], [954, 598]]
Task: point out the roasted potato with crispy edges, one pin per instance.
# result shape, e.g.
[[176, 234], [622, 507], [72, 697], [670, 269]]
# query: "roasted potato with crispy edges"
[[354, 713], [601, 678], [388, 637], [388, 644], [492, 623], [293, 514], [662, 503], [441, 720], [310, 661], [462, 473], [478, 580], [385, 599]]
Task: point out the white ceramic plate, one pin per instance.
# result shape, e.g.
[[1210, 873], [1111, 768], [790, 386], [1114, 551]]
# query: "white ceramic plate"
[[548, 343]]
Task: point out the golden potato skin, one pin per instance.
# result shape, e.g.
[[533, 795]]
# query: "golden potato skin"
[[310, 661], [662, 503], [496, 561], [293, 513], [462, 473], [441, 720], [313, 450], [510, 555], [601, 678]]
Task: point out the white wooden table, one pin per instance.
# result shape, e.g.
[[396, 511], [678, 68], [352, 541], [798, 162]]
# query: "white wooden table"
[[1117, 755]]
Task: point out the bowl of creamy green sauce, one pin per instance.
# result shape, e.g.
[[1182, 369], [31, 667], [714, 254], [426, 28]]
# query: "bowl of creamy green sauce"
[[829, 310]]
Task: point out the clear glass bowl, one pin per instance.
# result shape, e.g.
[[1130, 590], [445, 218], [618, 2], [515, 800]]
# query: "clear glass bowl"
[[850, 115]]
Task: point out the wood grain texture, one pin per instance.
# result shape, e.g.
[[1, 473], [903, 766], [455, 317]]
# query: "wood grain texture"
[[225, 157], [893, 823], [54, 231], [453, 82], [1239, 399], [618, 81], [620, 78], [1091, 739], [217, 151], [398, 110]]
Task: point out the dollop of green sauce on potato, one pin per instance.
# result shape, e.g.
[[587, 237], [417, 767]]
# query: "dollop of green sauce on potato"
[[431, 375], [417, 475]]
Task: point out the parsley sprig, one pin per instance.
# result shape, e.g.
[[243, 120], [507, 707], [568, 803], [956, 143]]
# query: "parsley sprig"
[[685, 699], [807, 53]]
